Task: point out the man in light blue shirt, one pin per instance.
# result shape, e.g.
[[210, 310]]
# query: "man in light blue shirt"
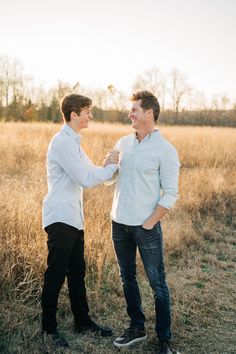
[[69, 170], [146, 188]]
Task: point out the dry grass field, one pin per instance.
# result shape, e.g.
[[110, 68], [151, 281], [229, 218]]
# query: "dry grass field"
[[200, 246]]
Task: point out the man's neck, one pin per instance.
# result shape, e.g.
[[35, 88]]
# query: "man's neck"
[[140, 134], [72, 126]]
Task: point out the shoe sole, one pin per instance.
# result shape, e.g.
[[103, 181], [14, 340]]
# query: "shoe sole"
[[136, 340]]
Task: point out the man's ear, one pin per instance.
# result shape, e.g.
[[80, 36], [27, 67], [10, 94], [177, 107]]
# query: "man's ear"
[[149, 113], [73, 115]]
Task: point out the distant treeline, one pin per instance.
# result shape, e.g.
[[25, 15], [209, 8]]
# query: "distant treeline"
[[204, 117], [181, 104], [51, 113]]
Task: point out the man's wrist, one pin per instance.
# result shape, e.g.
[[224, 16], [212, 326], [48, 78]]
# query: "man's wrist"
[[149, 224]]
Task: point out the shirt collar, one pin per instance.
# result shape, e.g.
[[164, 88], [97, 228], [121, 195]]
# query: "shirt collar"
[[71, 132], [149, 137]]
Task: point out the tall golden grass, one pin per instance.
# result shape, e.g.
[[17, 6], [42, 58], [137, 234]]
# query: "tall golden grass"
[[198, 232]]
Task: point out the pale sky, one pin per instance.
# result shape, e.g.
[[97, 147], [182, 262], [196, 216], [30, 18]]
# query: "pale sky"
[[102, 42]]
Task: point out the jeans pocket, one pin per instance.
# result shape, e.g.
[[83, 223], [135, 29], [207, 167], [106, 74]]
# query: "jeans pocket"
[[158, 224], [143, 228], [149, 238]]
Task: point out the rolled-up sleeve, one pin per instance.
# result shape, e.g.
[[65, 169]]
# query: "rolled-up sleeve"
[[169, 176], [81, 170]]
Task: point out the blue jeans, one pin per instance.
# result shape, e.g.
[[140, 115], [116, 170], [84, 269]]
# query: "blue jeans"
[[126, 239]]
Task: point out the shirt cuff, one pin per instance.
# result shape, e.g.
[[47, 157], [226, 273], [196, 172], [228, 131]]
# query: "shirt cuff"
[[168, 200], [113, 167]]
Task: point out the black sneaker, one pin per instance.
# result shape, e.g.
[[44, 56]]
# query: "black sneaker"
[[93, 327], [165, 348], [130, 336], [57, 339]]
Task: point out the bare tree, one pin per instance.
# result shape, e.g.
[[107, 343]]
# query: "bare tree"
[[152, 79], [196, 101], [62, 89], [111, 96], [225, 102], [12, 79], [179, 88], [99, 97], [121, 101], [215, 102], [76, 87], [5, 79]]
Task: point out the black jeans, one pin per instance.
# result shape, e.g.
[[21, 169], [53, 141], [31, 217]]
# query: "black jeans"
[[65, 258], [150, 245]]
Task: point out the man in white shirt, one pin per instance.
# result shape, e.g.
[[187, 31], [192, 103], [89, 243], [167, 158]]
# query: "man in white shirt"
[[69, 170], [146, 188]]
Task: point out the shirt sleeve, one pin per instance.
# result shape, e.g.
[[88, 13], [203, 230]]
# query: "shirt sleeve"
[[114, 178], [169, 175], [117, 146], [80, 168]]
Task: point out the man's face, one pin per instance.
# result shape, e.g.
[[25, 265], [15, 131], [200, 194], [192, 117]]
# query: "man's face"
[[137, 115], [84, 117]]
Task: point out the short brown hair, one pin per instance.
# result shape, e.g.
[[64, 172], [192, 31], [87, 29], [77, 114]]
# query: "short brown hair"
[[148, 101], [74, 103]]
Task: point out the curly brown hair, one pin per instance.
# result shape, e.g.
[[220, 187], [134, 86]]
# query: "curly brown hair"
[[148, 101], [74, 103]]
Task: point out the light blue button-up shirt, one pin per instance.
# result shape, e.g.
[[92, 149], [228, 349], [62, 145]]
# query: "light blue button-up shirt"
[[69, 170], [148, 175]]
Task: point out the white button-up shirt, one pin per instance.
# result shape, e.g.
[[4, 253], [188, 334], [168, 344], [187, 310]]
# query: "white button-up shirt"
[[148, 175], [69, 170]]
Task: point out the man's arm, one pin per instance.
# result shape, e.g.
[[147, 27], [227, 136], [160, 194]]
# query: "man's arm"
[[169, 174], [156, 216], [76, 165], [115, 152]]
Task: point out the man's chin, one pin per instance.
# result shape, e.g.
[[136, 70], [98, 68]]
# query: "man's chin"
[[84, 127]]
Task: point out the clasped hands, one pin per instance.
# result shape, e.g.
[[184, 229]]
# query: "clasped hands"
[[111, 157]]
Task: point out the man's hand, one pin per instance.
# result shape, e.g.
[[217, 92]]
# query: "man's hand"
[[112, 157], [156, 216], [148, 225]]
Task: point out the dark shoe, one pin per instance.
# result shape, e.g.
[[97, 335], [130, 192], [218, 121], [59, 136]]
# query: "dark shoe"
[[57, 339], [130, 336], [93, 327], [165, 348]]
